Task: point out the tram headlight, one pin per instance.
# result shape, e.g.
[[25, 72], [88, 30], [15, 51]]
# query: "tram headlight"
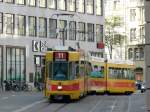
[[59, 87]]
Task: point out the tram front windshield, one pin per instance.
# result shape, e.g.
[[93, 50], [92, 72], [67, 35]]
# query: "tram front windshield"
[[60, 70]]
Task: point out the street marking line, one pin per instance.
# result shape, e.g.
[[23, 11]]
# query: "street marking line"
[[92, 110], [129, 104], [113, 105], [4, 98], [29, 106]]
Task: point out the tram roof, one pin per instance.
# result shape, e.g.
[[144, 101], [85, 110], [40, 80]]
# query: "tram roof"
[[62, 48]]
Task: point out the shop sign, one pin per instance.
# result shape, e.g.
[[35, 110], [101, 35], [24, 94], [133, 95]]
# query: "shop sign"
[[39, 46]]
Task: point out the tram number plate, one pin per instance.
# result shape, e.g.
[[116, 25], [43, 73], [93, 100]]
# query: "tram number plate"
[[59, 97]]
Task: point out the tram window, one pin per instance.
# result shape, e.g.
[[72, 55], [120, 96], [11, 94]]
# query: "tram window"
[[60, 70], [125, 75], [112, 73], [73, 70]]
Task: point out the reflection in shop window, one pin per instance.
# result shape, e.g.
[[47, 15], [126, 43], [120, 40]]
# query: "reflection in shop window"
[[15, 64]]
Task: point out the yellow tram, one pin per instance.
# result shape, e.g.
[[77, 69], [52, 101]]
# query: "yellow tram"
[[111, 76], [66, 74]]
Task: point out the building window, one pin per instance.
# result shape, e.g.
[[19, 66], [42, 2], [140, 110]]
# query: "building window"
[[32, 3], [132, 14], [21, 2], [51, 4], [52, 28], [42, 3], [137, 54], [32, 26], [15, 64], [132, 34], [72, 30], [71, 5], [62, 29], [9, 1], [61, 4], [9, 23], [81, 31], [99, 7], [142, 32], [1, 23], [90, 6], [99, 33], [141, 53], [42, 27], [130, 53], [81, 6], [90, 32], [21, 25]]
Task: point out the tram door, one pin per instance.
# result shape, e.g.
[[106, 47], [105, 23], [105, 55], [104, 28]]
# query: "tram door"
[[39, 69]]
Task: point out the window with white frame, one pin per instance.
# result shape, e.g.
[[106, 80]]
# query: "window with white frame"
[[21, 2], [142, 32], [42, 3], [61, 4], [72, 30], [81, 6], [99, 7], [42, 27], [52, 28], [1, 23], [32, 26], [90, 32], [9, 23], [21, 25], [51, 4], [62, 25], [132, 14], [99, 33], [32, 3], [71, 5], [81, 31], [90, 6], [9, 1], [132, 34]]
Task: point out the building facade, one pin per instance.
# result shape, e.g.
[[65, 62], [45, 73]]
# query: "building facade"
[[29, 27], [133, 20], [135, 31]]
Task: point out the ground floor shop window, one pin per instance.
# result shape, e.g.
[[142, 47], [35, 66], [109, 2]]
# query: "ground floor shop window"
[[39, 68], [15, 64]]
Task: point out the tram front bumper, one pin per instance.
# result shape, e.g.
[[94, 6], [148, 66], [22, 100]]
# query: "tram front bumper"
[[71, 94]]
